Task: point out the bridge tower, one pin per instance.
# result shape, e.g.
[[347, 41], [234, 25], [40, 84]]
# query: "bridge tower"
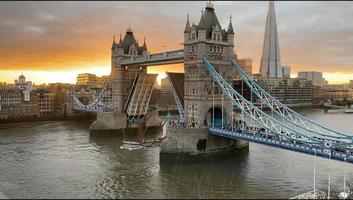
[[203, 100], [123, 76], [209, 39]]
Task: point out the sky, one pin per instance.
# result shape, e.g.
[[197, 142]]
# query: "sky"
[[55, 41]]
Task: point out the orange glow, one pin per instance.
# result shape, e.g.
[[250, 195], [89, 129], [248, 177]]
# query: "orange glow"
[[57, 49]]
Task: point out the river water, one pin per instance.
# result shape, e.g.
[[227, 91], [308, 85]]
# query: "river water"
[[60, 160]]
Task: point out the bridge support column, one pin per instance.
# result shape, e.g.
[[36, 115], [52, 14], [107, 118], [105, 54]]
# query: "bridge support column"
[[113, 122], [109, 121], [194, 143]]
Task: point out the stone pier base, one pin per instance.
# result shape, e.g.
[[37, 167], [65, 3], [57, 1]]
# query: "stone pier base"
[[113, 122], [181, 144]]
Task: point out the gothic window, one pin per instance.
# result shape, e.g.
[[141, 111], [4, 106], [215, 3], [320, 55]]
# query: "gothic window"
[[216, 90], [195, 110], [218, 37]]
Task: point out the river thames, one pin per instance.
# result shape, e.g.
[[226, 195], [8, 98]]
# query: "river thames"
[[60, 160]]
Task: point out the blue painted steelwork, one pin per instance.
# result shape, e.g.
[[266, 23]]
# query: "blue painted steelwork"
[[96, 105], [177, 101], [289, 145], [287, 113], [271, 125]]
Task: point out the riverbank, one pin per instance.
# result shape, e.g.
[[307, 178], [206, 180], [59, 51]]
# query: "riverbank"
[[86, 116]]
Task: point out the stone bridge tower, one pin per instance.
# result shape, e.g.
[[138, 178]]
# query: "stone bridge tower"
[[217, 44], [123, 76]]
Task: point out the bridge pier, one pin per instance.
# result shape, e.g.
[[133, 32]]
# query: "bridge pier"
[[183, 144], [112, 122]]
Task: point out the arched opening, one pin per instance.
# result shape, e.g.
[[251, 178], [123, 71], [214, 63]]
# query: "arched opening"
[[216, 120]]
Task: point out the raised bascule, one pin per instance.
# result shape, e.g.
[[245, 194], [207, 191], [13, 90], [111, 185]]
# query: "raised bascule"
[[215, 114]]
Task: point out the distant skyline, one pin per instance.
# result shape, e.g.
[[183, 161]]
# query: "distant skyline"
[[54, 41]]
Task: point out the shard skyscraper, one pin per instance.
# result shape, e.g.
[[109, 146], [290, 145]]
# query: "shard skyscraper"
[[271, 62]]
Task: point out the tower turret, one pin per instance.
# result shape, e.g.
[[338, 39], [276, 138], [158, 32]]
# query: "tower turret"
[[120, 46], [230, 32], [144, 48], [187, 29]]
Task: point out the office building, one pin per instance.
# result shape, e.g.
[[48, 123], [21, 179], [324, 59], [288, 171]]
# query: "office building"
[[271, 62], [315, 77], [286, 71]]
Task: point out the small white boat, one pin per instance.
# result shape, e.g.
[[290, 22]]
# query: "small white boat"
[[131, 146], [348, 110]]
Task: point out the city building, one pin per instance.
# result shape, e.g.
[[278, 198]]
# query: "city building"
[[86, 79], [351, 83], [23, 101], [14, 106], [245, 64], [286, 71], [271, 62], [315, 77], [22, 84], [289, 90], [102, 80], [338, 92], [46, 102], [319, 95], [25, 86]]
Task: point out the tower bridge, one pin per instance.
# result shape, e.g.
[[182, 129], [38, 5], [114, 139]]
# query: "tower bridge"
[[215, 114]]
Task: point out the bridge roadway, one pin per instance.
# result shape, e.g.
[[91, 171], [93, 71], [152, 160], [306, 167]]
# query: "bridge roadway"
[[252, 136]]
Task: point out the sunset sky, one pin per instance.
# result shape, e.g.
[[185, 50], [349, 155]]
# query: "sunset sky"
[[55, 41]]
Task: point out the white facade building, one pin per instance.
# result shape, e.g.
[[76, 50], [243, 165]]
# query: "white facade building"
[[25, 86], [315, 77]]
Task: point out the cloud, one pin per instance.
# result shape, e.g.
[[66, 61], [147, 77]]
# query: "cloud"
[[34, 29], [73, 35]]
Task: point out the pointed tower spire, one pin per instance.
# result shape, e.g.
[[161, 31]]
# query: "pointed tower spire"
[[230, 27], [270, 62], [187, 26], [144, 46], [209, 5], [129, 30], [120, 44], [114, 43]]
